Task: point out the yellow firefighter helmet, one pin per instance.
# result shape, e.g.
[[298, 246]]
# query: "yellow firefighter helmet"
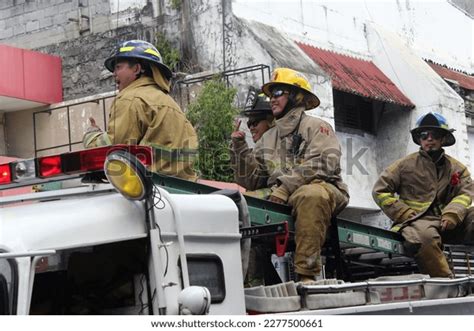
[[292, 78]]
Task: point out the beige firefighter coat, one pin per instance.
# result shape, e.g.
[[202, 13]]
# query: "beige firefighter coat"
[[143, 114], [412, 186], [306, 175], [272, 162]]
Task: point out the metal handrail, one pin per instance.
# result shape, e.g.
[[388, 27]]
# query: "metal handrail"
[[225, 74], [69, 144]]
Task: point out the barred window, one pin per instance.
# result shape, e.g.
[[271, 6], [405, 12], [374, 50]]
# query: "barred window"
[[353, 112]]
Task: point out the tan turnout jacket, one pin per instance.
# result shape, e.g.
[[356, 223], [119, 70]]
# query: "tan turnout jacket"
[[142, 114], [412, 185], [273, 164]]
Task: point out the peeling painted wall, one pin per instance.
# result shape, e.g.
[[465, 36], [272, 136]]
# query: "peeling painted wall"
[[359, 168], [435, 29], [427, 90]]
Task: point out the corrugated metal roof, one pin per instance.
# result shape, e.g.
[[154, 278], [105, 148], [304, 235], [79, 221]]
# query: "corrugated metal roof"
[[465, 81], [356, 76]]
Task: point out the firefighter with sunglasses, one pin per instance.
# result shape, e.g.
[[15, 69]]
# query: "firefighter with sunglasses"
[[428, 196], [299, 159], [260, 119]]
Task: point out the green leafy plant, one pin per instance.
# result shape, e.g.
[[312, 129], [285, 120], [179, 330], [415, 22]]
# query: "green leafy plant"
[[212, 114], [176, 4], [171, 56]]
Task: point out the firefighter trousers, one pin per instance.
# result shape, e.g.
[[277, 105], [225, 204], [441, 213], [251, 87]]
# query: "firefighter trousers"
[[313, 206], [424, 241]]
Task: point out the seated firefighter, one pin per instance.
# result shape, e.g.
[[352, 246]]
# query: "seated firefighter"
[[143, 113], [428, 196], [299, 159], [260, 119]]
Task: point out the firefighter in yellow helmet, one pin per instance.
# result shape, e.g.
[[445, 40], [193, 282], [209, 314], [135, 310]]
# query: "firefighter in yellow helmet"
[[299, 159], [428, 196], [143, 113]]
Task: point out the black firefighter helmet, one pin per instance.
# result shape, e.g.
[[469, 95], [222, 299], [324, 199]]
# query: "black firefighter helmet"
[[257, 104], [435, 122]]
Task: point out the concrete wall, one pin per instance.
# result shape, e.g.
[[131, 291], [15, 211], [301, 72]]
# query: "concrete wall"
[[359, 168], [470, 135], [426, 89], [393, 136], [83, 59], [32, 24], [427, 27]]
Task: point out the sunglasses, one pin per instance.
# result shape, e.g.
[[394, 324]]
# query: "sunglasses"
[[253, 122], [434, 134], [278, 93]]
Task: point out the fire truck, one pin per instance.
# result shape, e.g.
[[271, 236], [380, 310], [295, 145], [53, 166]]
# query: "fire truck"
[[95, 233]]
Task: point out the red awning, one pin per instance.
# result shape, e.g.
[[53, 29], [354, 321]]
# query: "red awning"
[[28, 79], [356, 76], [463, 80]]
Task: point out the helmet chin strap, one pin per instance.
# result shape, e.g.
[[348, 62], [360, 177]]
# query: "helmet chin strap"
[[435, 154]]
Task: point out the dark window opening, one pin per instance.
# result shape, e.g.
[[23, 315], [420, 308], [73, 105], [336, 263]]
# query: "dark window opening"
[[207, 271], [354, 113], [8, 286], [104, 279], [4, 297]]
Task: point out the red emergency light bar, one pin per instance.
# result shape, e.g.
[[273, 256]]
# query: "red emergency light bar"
[[5, 174], [71, 163]]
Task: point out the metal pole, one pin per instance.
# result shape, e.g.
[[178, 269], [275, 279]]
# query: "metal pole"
[[34, 133], [68, 128], [223, 34], [105, 114], [156, 258], [179, 232]]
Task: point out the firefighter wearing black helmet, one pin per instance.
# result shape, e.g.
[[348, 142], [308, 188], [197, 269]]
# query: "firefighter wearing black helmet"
[[259, 120], [428, 196], [144, 113]]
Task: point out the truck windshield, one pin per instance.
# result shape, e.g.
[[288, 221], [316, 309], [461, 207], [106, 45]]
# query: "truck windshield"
[[7, 286]]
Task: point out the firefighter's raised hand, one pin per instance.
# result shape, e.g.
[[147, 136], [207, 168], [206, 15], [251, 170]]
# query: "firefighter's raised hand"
[[93, 127], [237, 134], [93, 124]]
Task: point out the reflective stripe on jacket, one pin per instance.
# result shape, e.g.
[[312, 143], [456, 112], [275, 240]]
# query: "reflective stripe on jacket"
[[413, 185], [142, 114], [272, 162]]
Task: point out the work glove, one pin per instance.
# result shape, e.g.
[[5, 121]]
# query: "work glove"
[[448, 221], [279, 194]]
